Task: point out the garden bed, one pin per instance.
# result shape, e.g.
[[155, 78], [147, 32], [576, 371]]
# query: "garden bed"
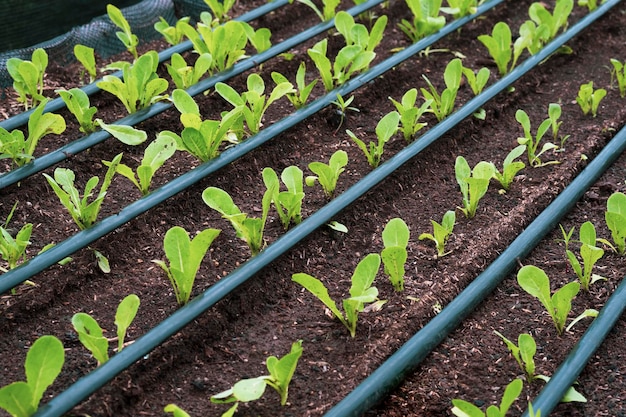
[[267, 314]]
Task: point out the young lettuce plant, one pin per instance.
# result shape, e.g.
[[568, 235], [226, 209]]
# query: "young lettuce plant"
[[426, 19], [531, 142], [155, 155], [535, 282], [301, 94], [328, 174], [615, 217], [476, 80], [28, 77], [473, 183], [90, 333], [589, 253], [553, 21], [510, 168], [184, 256], [385, 129], [77, 102], [512, 391], [13, 145], [619, 69], [589, 99], [43, 364], [184, 75], [356, 56], [329, 8], [82, 211], [288, 203], [128, 38], [220, 9], [172, 34], [249, 229], [253, 102], [14, 249], [441, 232], [523, 352], [442, 105], [460, 8], [201, 138], [361, 291], [394, 255], [499, 46], [140, 86], [86, 56], [281, 372], [410, 114]]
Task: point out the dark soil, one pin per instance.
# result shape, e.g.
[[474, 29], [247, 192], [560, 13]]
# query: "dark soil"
[[267, 314]]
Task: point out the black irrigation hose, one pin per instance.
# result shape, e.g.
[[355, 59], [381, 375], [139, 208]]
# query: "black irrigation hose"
[[83, 238], [572, 366], [73, 148], [58, 103], [392, 372], [85, 386]]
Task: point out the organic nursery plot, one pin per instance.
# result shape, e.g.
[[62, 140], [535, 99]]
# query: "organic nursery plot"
[[268, 314]]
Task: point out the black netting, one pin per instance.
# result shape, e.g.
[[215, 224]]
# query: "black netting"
[[99, 33]]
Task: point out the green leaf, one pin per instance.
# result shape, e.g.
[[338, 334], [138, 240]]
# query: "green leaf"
[[125, 134], [175, 410], [124, 316], [396, 233], [16, 399], [317, 288], [90, 335], [534, 281], [364, 276], [249, 389], [43, 364]]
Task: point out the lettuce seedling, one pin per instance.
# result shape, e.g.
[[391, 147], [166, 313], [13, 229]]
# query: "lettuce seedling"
[[532, 141], [28, 77], [43, 364], [184, 256], [14, 249], [86, 56], [248, 229], [385, 129], [531, 37], [220, 9], [179, 412], [183, 75], [141, 85], [155, 155], [476, 80], [555, 21], [443, 105], [615, 217], [172, 34], [20, 150], [328, 174], [473, 183], [82, 211], [589, 253], [426, 19], [510, 167], [361, 291], [619, 69], [301, 94], [499, 46], [128, 38], [288, 203], [395, 239], [410, 114], [441, 232], [460, 8], [90, 333], [77, 102], [349, 61], [253, 102], [512, 391], [329, 8], [535, 282], [357, 33], [589, 99], [281, 372], [523, 352]]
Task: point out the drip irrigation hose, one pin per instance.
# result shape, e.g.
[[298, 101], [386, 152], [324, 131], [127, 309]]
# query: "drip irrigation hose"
[[392, 372], [92, 88], [83, 238], [80, 145], [572, 366], [85, 386], [81, 389]]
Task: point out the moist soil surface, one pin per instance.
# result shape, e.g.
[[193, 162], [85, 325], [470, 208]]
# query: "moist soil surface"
[[269, 312]]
